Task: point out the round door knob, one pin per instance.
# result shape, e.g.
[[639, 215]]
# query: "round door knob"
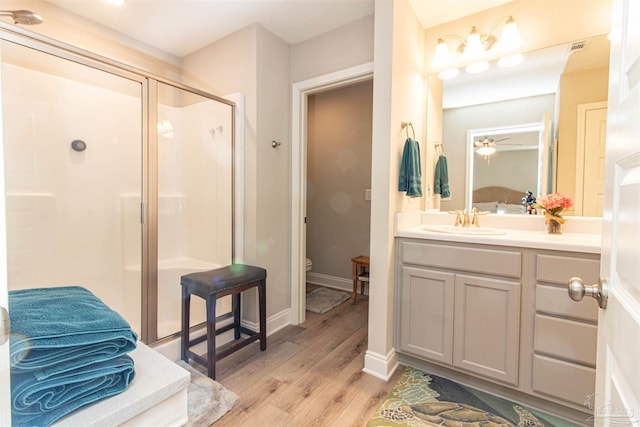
[[577, 290]]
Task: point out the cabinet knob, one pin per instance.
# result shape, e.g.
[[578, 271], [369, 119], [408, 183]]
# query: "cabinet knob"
[[599, 291]]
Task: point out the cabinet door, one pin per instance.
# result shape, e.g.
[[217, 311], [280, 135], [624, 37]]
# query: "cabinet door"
[[487, 327], [426, 313]]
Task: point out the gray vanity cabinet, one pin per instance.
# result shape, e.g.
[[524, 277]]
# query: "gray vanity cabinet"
[[565, 331], [460, 306], [499, 313], [487, 327], [427, 313]]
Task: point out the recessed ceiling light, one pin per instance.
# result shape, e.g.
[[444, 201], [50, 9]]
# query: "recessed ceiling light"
[[115, 1]]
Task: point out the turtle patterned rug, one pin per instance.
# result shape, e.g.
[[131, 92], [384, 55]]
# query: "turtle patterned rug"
[[420, 399]]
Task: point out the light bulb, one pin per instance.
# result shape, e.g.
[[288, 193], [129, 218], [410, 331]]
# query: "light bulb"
[[473, 48], [486, 150], [448, 73], [510, 39], [477, 67], [442, 57]]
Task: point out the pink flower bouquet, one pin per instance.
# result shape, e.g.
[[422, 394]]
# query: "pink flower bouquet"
[[553, 204]]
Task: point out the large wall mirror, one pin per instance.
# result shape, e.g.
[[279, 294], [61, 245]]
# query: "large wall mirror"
[[544, 122]]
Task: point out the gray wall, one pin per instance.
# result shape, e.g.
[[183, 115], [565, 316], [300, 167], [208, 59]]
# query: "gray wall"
[[338, 173]]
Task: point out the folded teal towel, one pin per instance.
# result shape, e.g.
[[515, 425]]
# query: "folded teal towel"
[[39, 403], [410, 170], [441, 185], [54, 330]]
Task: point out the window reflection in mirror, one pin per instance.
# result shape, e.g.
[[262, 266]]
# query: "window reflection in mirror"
[[555, 80]]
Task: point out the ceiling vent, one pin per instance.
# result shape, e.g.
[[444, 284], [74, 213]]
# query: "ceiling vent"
[[578, 45]]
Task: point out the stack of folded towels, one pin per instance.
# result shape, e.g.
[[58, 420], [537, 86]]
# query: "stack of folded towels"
[[68, 349]]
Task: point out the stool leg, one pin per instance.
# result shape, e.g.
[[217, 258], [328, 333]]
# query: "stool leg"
[[211, 336], [184, 335], [262, 297], [236, 315], [355, 279]]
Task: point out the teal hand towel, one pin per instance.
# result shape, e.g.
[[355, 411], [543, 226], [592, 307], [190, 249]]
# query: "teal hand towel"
[[54, 330], [410, 179], [441, 185]]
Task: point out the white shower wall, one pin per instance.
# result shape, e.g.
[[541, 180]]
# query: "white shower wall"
[[194, 203], [63, 221], [73, 218]]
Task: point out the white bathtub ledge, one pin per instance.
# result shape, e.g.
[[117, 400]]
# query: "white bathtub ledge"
[[157, 396]]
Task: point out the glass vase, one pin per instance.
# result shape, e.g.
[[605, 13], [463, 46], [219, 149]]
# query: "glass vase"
[[554, 227]]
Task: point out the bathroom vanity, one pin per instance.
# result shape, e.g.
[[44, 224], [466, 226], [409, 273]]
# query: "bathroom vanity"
[[493, 310]]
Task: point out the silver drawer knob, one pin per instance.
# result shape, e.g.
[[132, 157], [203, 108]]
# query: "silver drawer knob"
[[599, 291]]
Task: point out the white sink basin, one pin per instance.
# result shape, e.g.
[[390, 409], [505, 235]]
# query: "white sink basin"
[[478, 231]]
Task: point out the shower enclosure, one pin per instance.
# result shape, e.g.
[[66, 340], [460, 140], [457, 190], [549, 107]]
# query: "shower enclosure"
[[116, 180]]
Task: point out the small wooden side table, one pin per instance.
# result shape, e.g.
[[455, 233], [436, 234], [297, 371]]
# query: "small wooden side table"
[[360, 273]]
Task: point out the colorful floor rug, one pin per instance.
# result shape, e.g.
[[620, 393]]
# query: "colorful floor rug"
[[420, 399], [322, 300]]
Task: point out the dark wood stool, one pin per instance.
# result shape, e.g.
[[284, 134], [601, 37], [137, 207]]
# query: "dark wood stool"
[[211, 285]]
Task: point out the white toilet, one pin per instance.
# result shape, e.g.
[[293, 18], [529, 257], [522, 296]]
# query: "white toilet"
[[309, 264]]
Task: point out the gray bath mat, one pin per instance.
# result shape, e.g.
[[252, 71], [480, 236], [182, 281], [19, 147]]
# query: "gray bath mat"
[[207, 399], [322, 300]]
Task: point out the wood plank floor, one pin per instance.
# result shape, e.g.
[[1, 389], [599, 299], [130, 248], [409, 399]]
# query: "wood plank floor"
[[310, 374]]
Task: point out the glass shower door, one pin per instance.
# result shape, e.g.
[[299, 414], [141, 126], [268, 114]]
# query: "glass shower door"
[[195, 198], [73, 139]]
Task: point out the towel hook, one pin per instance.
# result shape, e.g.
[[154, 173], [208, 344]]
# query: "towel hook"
[[439, 148], [406, 126]]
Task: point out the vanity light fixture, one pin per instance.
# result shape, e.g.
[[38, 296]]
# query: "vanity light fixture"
[[472, 51]]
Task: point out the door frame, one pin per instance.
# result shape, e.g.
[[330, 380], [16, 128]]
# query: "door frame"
[[299, 94]]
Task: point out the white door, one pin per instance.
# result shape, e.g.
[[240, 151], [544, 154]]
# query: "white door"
[[617, 399], [5, 391], [590, 158]]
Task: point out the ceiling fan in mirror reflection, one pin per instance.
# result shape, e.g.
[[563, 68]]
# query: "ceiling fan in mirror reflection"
[[472, 51], [486, 146]]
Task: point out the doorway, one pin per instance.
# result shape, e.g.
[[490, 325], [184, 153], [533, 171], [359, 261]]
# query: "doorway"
[[300, 94], [338, 180]]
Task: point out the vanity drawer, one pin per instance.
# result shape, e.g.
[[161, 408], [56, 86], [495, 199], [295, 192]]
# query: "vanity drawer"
[[555, 300], [566, 381], [566, 339], [476, 260], [559, 269]]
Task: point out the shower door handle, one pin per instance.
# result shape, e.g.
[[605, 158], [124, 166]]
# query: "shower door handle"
[[5, 325]]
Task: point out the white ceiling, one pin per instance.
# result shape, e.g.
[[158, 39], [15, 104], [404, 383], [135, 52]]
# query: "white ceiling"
[[181, 27]]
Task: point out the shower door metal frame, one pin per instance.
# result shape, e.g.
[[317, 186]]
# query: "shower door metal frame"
[[149, 171]]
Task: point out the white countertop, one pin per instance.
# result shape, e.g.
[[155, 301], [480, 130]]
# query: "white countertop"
[[579, 235]]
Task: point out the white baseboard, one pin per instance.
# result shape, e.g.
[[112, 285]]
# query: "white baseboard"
[[171, 349], [333, 282], [274, 322], [379, 365]]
